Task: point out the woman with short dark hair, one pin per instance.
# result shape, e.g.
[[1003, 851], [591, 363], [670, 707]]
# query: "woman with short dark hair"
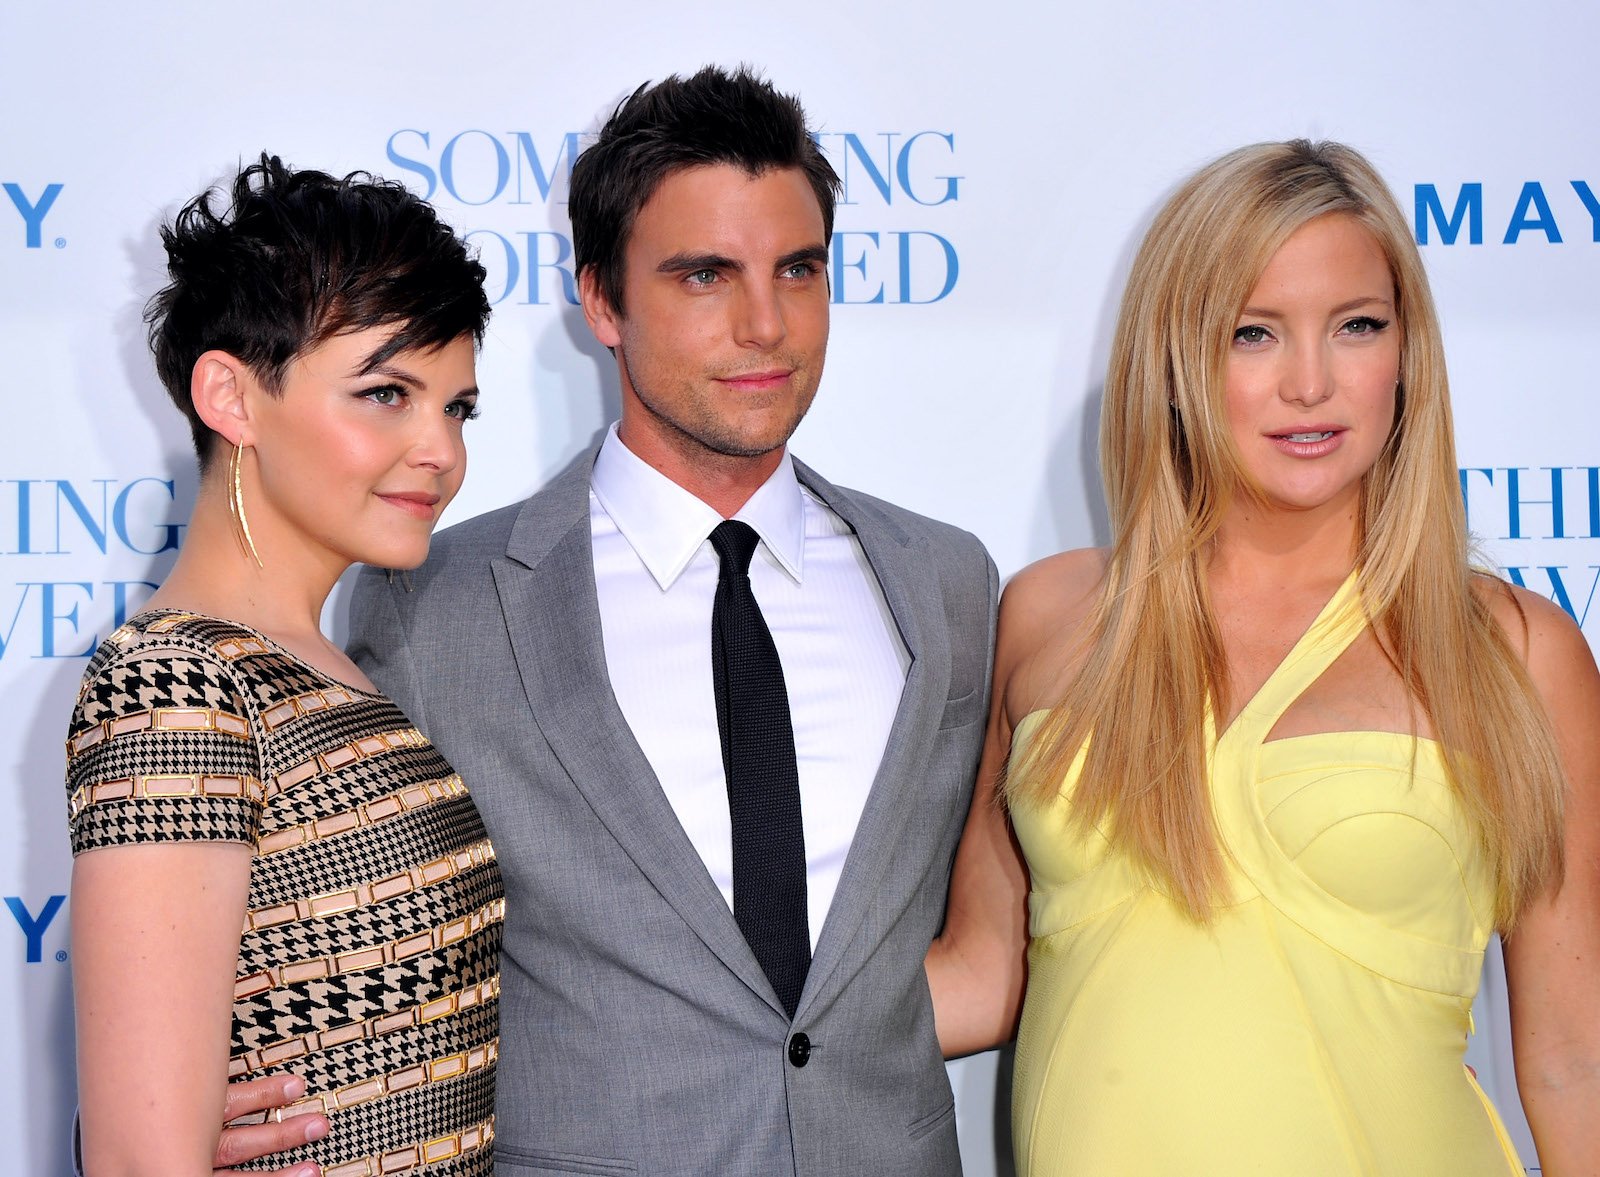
[[230, 768]]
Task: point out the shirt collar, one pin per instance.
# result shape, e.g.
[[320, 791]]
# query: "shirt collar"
[[666, 524]]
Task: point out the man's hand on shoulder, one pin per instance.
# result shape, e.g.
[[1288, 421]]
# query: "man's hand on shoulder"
[[249, 1142]]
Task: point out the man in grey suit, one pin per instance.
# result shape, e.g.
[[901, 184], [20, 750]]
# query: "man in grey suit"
[[559, 651]]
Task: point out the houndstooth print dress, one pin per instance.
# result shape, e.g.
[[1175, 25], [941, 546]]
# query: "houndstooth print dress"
[[369, 957]]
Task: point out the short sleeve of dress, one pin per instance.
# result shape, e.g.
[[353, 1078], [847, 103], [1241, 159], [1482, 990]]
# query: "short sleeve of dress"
[[161, 748]]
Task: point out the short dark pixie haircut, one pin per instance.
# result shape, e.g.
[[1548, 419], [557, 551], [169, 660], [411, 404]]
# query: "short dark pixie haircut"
[[713, 117], [299, 258]]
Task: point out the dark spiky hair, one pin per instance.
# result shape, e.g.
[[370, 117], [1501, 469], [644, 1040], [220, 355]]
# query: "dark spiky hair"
[[714, 117], [297, 259]]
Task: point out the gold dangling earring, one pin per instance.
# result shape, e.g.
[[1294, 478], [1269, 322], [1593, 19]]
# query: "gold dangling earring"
[[236, 506]]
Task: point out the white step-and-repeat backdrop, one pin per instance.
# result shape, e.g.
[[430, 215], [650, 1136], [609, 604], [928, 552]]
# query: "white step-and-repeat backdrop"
[[1000, 163]]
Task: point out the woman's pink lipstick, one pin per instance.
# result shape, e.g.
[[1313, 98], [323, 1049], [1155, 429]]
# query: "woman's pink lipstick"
[[417, 503], [1309, 441]]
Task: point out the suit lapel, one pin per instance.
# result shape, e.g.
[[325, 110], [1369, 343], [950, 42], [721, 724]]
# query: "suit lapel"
[[547, 594], [911, 591]]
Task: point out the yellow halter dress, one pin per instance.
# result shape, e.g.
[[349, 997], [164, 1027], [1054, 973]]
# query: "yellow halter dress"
[[1316, 1026]]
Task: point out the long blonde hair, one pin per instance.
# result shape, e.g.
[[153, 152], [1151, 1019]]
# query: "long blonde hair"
[[1152, 657]]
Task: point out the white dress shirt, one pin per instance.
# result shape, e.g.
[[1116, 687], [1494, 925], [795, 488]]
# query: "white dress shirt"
[[844, 664]]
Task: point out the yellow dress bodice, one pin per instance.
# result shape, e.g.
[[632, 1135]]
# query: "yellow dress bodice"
[[1316, 1025]]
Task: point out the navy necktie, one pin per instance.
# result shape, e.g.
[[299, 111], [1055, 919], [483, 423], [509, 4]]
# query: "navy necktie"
[[758, 760]]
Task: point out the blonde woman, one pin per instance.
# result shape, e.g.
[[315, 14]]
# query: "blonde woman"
[[1279, 761]]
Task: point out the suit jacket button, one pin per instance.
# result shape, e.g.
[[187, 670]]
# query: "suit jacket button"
[[799, 1050]]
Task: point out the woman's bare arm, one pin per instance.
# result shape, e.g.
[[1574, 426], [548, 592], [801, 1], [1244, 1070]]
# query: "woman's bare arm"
[[155, 940], [1553, 956], [977, 968]]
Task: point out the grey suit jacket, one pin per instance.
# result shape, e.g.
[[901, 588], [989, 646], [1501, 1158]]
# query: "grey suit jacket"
[[638, 1033]]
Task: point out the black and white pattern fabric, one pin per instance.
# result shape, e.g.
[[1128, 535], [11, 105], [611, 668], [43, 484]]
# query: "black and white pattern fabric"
[[369, 960]]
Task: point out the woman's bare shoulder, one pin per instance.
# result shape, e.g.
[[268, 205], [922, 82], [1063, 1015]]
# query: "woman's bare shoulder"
[[1544, 635], [1043, 612], [1057, 586], [1536, 626]]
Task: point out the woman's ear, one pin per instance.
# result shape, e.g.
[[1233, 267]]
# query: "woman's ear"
[[217, 388]]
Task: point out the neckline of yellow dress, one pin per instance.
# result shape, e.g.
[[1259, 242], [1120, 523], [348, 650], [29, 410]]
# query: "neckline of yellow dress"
[[1340, 610], [1258, 863], [1337, 624]]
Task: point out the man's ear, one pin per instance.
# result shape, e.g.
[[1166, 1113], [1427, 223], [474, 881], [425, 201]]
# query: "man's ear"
[[217, 387], [603, 320]]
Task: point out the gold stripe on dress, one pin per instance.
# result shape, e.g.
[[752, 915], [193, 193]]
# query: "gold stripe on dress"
[[228, 649], [438, 1070], [306, 704], [277, 1053], [425, 874], [418, 1156], [232, 649], [172, 719], [161, 785], [368, 813], [361, 959], [345, 754], [170, 622]]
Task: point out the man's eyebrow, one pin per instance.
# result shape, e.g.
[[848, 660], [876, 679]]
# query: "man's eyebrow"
[[687, 263], [811, 253]]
